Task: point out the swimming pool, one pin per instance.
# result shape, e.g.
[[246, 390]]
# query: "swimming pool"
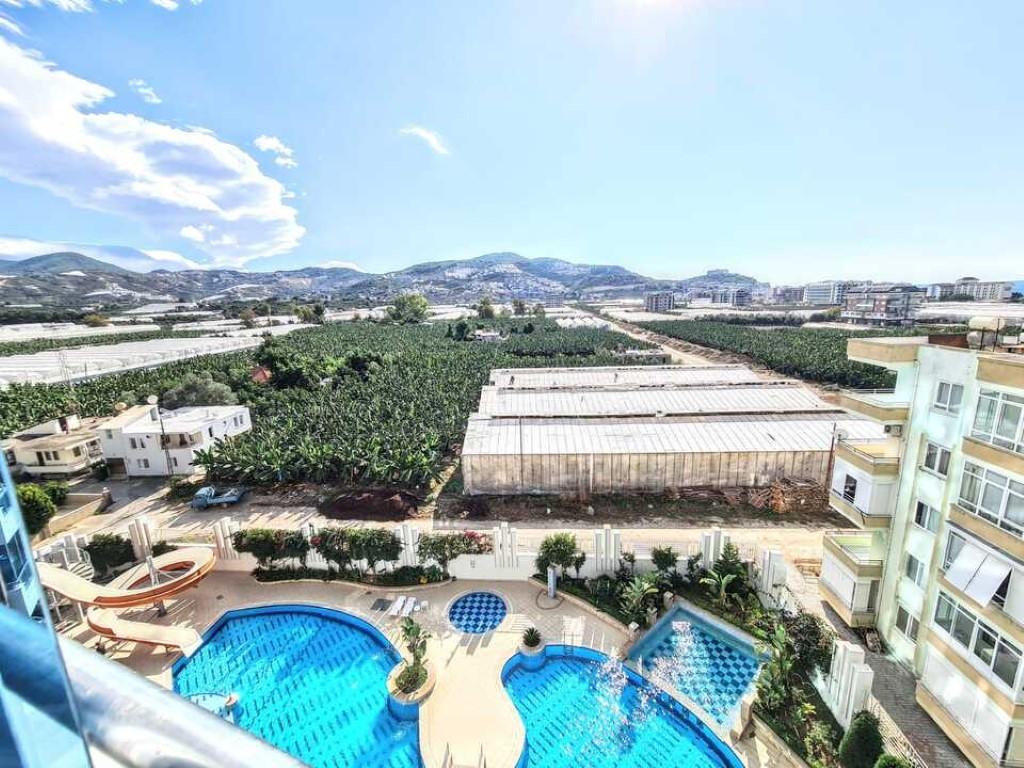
[[582, 708], [310, 681], [708, 665], [477, 612]]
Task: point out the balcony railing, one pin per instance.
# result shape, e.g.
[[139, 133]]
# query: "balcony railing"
[[879, 453]]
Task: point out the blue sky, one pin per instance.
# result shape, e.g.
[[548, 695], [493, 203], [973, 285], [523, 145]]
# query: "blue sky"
[[788, 139]]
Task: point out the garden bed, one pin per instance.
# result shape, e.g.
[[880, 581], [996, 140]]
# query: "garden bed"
[[406, 576]]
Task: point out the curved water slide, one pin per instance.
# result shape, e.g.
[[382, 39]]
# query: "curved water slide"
[[176, 571]]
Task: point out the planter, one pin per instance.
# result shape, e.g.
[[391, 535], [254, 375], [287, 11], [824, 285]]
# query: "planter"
[[406, 706], [533, 658]]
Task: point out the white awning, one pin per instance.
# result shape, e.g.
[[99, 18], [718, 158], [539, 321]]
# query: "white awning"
[[986, 581], [966, 564]]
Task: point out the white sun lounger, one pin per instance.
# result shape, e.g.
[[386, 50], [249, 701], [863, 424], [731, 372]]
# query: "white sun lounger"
[[410, 605], [397, 605]]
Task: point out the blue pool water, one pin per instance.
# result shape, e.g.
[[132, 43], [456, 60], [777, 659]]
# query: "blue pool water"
[[581, 708], [477, 612], [708, 666], [310, 681]]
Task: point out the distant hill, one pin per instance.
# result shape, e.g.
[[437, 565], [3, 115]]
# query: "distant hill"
[[73, 279]]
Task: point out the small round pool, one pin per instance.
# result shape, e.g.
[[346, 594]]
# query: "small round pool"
[[477, 612]]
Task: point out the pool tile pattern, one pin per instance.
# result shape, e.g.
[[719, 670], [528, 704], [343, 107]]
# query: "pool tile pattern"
[[477, 612], [707, 669], [310, 685]]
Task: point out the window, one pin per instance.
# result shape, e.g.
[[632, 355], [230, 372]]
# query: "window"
[[948, 397], [12, 561], [954, 544], [77, 451], [906, 623], [936, 459], [850, 488], [210, 431], [174, 460], [986, 645], [999, 420], [144, 463], [132, 443], [914, 570], [926, 517], [110, 434], [994, 497], [999, 598]]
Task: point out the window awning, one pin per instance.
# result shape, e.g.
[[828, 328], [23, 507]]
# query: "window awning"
[[965, 565], [986, 581], [977, 573]]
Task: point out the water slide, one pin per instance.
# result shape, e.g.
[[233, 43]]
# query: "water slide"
[[177, 571]]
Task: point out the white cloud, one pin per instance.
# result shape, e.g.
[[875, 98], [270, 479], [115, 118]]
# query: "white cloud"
[[284, 154], [337, 264], [190, 232], [81, 6], [145, 91], [138, 260], [432, 139], [9, 25], [53, 135]]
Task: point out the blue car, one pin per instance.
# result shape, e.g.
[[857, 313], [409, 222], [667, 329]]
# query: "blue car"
[[209, 496]]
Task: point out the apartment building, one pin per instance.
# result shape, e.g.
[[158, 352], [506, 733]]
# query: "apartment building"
[[983, 290], [786, 294], [145, 440], [882, 304], [938, 563], [56, 448], [826, 292], [662, 301]]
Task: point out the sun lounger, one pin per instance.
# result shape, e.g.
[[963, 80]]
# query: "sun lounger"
[[410, 605], [396, 607]]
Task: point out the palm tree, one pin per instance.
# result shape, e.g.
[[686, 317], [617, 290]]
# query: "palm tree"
[[633, 596], [718, 585]]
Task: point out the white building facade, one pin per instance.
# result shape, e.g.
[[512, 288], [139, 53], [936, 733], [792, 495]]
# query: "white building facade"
[[938, 566], [147, 441]]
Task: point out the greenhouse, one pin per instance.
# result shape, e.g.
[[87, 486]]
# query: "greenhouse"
[[623, 376], [610, 455]]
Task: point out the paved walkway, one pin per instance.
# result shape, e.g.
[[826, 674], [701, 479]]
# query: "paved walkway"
[[893, 687], [468, 709]]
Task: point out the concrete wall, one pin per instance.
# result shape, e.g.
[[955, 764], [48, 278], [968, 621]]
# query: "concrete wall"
[[586, 474]]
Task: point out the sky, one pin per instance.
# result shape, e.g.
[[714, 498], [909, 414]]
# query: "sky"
[[791, 140]]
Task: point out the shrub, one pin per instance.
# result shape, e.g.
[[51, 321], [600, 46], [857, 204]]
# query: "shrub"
[[812, 642], [445, 547], [36, 507], [862, 745], [664, 558], [891, 761], [162, 548], [415, 673], [819, 744], [57, 490], [730, 564], [108, 551], [268, 545], [374, 545], [531, 637], [335, 546], [635, 597], [558, 549]]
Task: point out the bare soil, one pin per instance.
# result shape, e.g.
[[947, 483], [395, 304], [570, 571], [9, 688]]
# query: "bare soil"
[[372, 504]]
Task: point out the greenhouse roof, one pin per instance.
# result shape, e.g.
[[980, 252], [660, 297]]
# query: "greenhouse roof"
[[623, 375], [762, 397], [703, 434]]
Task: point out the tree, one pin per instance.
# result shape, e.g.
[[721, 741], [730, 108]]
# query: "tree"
[[774, 687], [248, 318], [36, 507], [718, 588], [57, 490], [409, 308], [665, 559], [730, 564], [558, 549], [442, 548], [305, 314], [415, 639], [461, 330], [108, 551], [812, 640], [198, 389], [374, 545], [261, 543], [335, 546], [891, 761], [538, 310], [862, 745], [518, 307], [634, 598], [94, 320], [485, 308], [578, 561], [319, 312]]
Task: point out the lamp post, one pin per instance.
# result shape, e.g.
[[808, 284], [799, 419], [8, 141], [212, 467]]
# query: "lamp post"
[[154, 400]]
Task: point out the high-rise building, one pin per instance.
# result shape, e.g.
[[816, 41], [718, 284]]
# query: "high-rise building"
[[938, 567], [882, 304], [661, 301], [786, 294], [981, 290]]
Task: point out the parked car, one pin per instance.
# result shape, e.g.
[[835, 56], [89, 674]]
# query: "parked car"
[[210, 496]]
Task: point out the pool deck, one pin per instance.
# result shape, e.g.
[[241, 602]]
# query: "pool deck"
[[468, 709]]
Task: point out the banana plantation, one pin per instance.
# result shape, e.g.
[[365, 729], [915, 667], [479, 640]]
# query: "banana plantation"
[[352, 403]]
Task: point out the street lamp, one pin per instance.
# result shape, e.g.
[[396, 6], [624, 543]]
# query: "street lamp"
[[153, 400]]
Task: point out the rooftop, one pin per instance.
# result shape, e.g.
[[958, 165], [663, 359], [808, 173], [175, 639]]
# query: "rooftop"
[[622, 376], [183, 419], [681, 434]]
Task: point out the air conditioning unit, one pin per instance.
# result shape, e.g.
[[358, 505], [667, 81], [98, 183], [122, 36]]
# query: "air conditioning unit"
[[893, 429]]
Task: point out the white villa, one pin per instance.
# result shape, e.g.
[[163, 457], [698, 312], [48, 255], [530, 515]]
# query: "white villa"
[[144, 440]]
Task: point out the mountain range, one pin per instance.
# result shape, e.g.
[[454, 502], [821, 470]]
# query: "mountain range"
[[73, 279]]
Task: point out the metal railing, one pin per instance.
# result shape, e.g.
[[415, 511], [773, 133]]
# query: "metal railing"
[[896, 742]]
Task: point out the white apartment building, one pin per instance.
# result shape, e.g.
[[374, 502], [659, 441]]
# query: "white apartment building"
[[144, 440], [938, 565], [826, 293], [661, 301], [983, 290]]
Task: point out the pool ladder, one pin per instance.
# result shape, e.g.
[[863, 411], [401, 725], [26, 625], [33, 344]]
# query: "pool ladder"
[[449, 760]]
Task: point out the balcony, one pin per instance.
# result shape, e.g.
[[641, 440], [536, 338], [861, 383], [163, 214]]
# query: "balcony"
[[882, 405], [1004, 370], [860, 553], [891, 352], [845, 505], [987, 530], [879, 458], [1002, 458]]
